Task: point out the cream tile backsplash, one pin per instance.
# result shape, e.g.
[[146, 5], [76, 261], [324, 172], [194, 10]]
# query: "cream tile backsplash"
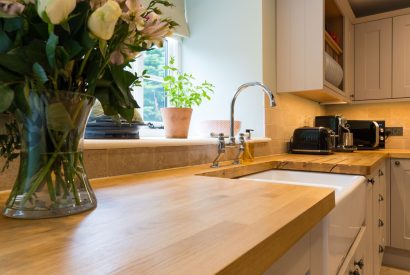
[[291, 112]]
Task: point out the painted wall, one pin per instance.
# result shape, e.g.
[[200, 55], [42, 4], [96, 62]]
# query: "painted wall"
[[225, 48], [396, 115]]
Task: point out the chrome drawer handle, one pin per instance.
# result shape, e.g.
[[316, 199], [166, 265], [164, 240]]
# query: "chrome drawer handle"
[[360, 263]]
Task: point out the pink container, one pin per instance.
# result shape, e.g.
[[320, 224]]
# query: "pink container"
[[218, 126]]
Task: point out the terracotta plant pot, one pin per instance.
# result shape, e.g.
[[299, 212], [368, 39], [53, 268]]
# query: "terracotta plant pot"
[[176, 122]]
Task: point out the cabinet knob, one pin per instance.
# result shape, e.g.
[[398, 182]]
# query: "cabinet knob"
[[371, 180], [356, 272], [381, 249], [381, 223], [397, 163], [381, 198], [359, 263], [381, 173]]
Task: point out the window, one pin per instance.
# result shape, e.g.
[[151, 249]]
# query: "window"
[[151, 97]]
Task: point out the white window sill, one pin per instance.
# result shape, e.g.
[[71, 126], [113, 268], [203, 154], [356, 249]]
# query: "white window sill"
[[101, 144]]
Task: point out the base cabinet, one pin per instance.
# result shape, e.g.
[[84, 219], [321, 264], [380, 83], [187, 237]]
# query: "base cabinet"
[[376, 216], [400, 203], [305, 257], [295, 262]]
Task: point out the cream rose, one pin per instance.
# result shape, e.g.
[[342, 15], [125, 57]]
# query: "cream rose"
[[55, 11], [103, 20]]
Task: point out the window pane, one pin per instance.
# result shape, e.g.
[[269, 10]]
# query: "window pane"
[[154, 62], [154, 100]]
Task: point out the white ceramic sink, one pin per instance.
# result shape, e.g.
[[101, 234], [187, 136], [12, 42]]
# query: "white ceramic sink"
[[343, 223]]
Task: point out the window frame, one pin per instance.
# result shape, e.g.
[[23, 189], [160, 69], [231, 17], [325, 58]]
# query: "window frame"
[[173, 48]]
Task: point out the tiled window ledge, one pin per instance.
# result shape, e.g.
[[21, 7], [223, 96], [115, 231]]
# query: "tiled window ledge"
[[100, 144]]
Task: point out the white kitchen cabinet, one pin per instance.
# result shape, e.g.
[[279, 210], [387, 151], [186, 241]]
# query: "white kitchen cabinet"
[[401, 56], [305, 257], [373, 60], [300, 38], [379, 218], [296, 261], [375, 220], [400, 203]]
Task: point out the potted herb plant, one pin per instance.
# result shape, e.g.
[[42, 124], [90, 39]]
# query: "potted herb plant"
[[56, 58], [182, 93]]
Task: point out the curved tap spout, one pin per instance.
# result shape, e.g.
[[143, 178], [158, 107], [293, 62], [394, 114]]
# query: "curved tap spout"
[[240, 89]]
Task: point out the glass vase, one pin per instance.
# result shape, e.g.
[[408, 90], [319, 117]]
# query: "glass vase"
[[52, 181]]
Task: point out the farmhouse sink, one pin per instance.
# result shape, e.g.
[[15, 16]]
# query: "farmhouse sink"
[[343, 223]]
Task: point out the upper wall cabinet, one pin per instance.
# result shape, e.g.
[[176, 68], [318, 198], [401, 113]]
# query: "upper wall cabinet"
[[401, 56], [314, 50], [373, 63], [382, 59]]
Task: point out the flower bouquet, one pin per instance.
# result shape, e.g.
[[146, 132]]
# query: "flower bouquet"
[[56, 57]]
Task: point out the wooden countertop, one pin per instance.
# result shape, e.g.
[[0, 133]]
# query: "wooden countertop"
[[394, 153], [163, 224], [193, 220]]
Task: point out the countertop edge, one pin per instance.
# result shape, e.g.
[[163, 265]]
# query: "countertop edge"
[[267, 252]]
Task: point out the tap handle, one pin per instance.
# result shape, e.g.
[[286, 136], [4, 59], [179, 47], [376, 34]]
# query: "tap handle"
[[249, 133], [241, 138], [221, 143]]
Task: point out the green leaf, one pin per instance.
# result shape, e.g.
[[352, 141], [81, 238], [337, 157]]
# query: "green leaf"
[[40, 73], [93, 69], [13, 24], [65, 26], [127, 113], [103, 46], [51, 49], [7, 96], [62, 57], [124, 80], [5, 42], [103, 96], [58, 118], [72, 47], [21, 98], [21, 60], [7, 76], [79, 18]]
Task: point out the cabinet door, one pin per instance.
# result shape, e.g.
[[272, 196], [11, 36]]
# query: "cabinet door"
[[377, 242], [373, 60], [295, 262], [400, 203], [369, 225], [401, 56], [349, 59], [299, 36]]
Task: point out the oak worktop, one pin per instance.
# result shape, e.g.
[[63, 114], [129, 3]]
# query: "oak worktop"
[[193, 220], [179, 225]]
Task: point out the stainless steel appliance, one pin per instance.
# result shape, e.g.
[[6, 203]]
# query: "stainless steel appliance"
[[343, 136], [368, 134], [312, 140]]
